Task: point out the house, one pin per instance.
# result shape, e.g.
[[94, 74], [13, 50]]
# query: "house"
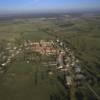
[[68, 80], [77, 70], [79, 78], [60, 60], [4, 64]]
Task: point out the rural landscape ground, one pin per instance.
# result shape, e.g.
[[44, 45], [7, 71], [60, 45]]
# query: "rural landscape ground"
[[64, 66]]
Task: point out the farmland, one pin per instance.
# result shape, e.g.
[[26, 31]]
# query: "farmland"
[[22, 80]]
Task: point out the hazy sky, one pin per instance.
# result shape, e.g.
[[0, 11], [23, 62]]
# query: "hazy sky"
[[16, 6]]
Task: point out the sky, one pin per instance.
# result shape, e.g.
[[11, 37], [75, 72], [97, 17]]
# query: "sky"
[[37, 6]]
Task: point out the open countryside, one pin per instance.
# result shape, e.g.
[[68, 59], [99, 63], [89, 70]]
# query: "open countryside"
[[50, 58]]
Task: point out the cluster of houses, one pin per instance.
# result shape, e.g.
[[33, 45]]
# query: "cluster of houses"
[[11, 51], [69, 64], [44, 47], [66, 60], [8, 55]]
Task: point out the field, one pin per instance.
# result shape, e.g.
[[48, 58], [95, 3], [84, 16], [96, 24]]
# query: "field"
[[31, 81]]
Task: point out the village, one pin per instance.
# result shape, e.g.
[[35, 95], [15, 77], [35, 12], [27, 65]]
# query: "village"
[[65, 61]]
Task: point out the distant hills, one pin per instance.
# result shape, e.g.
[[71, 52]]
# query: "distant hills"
[[39, 15]]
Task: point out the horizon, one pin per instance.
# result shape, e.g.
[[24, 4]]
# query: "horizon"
[[47, 6]]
